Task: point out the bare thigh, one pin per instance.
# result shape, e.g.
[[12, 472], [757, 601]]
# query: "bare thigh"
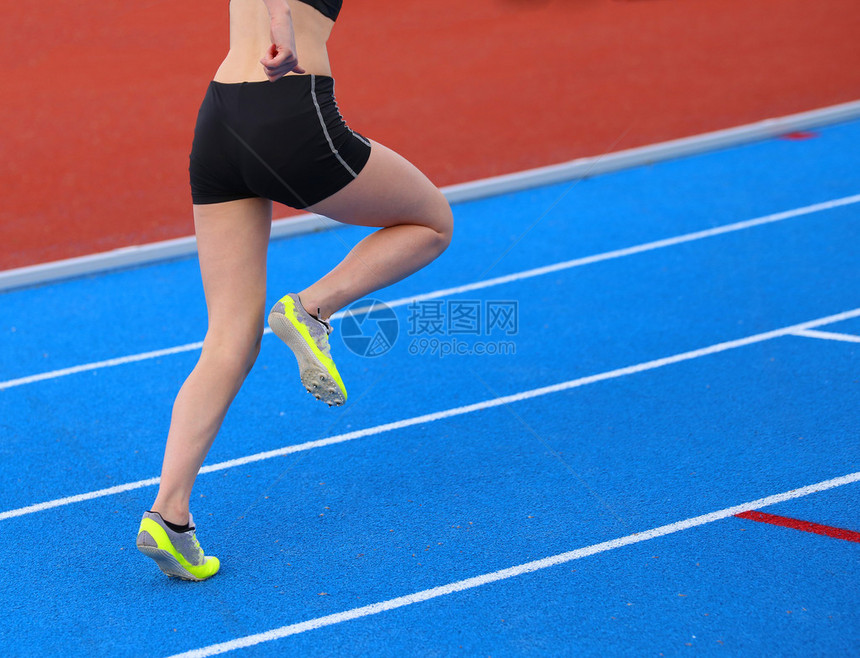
[[389, 191], [232, 239]]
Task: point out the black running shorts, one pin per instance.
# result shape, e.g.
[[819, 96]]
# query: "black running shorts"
[[282, 140]]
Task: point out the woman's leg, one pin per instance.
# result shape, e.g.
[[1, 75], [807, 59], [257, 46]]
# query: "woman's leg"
[[416, 222], [232, 239]]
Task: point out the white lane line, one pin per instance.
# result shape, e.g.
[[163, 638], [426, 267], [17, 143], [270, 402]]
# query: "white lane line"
[[828, 335], [449, 413], [511, 572], [638, 249], [518, 276], [54, 374], [79, 498]]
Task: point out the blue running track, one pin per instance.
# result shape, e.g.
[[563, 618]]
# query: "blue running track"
[[690, 377]]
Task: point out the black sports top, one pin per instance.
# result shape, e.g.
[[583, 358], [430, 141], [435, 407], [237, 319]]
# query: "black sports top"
[[328, 8]]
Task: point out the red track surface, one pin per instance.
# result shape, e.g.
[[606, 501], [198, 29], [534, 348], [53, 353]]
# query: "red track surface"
[[100, 98]]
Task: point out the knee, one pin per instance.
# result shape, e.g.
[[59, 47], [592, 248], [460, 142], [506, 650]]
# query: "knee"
[[442, 223], [235, 352], [254, 351]]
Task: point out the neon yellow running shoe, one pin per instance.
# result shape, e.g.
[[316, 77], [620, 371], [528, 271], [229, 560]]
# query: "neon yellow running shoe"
[[178, 554], [307, 337]]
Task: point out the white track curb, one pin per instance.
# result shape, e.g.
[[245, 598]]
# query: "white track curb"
[[566, 171]]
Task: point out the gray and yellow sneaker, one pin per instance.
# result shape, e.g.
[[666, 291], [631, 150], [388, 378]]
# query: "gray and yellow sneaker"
[[176, 553], [307, 337]]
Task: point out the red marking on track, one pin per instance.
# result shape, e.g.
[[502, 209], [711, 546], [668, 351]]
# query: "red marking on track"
[[806, 526], [800, 134]]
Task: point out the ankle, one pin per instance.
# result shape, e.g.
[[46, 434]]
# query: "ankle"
[[176, 527], [175, 515], [313, 307]]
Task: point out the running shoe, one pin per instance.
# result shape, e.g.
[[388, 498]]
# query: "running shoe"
[[307, 337], [178, 554]]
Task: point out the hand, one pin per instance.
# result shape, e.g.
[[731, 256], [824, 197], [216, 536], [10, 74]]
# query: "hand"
[[281, 57]]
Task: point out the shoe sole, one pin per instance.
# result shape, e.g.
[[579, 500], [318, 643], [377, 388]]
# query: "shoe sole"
[[167, 563], [314, 375]]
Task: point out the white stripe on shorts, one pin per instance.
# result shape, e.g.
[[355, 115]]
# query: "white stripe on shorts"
[[325, 130]]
